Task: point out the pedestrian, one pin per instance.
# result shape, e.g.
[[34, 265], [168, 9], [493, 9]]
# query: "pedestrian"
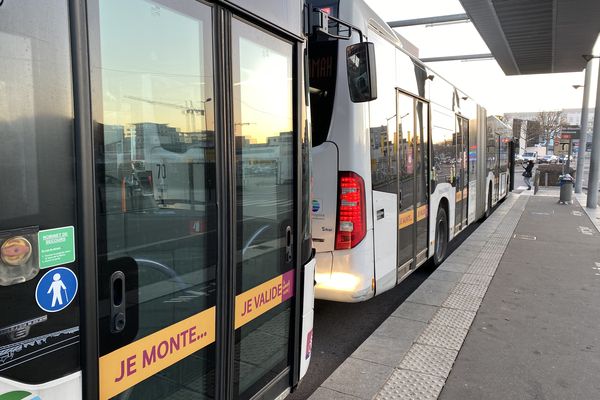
[[528, 173]]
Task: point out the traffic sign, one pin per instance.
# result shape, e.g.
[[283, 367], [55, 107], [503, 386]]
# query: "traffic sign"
[[56, 290]]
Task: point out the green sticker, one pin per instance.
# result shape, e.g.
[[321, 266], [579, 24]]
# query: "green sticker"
[[56, 246]]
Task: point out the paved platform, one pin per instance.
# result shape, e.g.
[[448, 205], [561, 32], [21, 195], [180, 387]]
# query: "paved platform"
[[512, 314]]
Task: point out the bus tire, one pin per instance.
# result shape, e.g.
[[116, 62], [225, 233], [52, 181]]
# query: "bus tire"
[[441, 236]]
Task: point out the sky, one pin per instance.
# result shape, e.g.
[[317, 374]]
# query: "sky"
[[482, 80]]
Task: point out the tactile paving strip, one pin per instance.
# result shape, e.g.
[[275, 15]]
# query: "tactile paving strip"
[[429, 360], [453, 317], [447, 337], [473, 279], [466, 289], [459, 302], [488, 270], [410, 385], [422, 372]]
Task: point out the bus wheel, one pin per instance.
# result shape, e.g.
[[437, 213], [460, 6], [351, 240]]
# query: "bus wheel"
[[441, 236]]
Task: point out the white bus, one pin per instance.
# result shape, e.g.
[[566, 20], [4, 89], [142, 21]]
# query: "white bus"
[[403, 161]]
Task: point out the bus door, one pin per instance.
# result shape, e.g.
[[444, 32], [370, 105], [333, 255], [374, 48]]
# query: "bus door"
[[462, 181], [422, 179], [176, 306], [413, 123]]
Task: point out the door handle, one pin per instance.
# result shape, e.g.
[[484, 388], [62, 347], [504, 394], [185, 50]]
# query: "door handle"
[[118, 311], [288, 244]]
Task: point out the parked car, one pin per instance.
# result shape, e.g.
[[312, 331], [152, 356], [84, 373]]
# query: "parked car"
[[529, 157], [549, 159]]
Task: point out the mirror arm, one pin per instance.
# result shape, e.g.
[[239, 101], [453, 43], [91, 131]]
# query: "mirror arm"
[[320, 24]]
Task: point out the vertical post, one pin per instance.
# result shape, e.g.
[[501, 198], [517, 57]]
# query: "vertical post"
[[583, 129], [592, 198]]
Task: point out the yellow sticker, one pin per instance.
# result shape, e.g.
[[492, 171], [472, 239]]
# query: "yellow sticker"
[[257, 301], [407, 218], [458, 196], [131, 364], [422, 212]]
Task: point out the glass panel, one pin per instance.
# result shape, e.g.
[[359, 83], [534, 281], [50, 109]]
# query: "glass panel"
[[407, 198], [384, 135], [422, 123], [157, 215], [264, 137], [458, 143], [37, 188], [444, 152]]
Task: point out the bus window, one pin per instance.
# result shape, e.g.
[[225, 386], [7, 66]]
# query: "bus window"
[[443, 148], [157, 225], [322, 66]]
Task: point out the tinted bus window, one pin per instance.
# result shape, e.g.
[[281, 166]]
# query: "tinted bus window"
[[37, 189], [322, 66], [385, 165], [443, 138]]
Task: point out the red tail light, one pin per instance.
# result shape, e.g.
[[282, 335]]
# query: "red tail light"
[[352, 224]]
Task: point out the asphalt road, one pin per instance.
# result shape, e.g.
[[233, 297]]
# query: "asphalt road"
[[340, 328]]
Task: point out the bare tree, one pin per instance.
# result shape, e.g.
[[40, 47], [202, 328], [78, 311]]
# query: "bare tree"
[[551, 124]]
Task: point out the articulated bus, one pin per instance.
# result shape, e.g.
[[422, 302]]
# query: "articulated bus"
[[155, 233], [402, 161]]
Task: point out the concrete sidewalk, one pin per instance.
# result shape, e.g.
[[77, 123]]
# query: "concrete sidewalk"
[[534, 337]]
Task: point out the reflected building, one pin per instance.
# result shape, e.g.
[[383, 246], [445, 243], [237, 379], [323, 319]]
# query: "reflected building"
[[272, 159]]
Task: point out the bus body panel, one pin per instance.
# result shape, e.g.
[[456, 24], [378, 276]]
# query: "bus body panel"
[[472, 201], [385, 210], [351, 277], [308, 315], [67, 387], [324, 203], [286, 14]]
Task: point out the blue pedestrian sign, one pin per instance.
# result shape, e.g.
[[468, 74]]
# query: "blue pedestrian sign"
[[56, 290]]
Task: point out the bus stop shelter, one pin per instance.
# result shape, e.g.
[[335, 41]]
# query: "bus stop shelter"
[[541, 37]]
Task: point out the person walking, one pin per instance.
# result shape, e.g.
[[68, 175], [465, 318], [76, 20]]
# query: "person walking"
[[528, 173]]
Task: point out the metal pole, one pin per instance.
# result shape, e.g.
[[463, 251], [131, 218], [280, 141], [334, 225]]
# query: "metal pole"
[[583, 129], [592, 197]]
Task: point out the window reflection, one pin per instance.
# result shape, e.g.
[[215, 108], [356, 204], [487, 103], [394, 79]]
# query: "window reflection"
[[383, 130], [157, 176], [264, 134], [443, 138]]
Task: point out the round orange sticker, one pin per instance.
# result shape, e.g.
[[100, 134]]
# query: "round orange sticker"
[[15, 251]]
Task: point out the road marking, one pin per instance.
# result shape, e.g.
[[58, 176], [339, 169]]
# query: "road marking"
[[524, 237], [586, 231], [577, 213]]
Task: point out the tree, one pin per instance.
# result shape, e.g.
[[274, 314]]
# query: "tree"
[[551, 124]]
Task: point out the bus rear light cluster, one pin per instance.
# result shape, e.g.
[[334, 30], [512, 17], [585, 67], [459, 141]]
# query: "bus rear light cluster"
[[352, 224]]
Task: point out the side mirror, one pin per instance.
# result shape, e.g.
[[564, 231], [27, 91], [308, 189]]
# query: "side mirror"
[[362, 78]]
